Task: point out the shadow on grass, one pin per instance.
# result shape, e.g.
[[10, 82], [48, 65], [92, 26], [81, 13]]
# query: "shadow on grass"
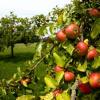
[[17, 57]]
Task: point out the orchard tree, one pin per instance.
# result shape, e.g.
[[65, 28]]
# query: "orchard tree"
[[16, 30], [8, 31]]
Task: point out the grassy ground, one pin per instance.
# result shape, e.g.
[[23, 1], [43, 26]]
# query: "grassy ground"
[[8, 65]]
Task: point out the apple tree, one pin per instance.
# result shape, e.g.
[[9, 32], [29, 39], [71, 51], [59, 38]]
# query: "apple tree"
[[67, 65]]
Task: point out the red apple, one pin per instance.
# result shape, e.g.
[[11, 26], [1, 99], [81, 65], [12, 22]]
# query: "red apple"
[[58, 69], [72, 31], [94, 12], [94, 79], [57, 92], [92, 54], [84, 88], [82, 48], [69, 76], [61, 36]]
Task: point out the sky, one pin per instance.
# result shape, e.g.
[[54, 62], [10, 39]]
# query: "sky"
[[29, 8]]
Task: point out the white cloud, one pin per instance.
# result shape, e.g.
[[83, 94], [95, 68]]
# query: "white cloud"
[[27, 8]]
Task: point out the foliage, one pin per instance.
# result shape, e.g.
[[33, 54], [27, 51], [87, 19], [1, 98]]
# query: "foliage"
[[40, 78]]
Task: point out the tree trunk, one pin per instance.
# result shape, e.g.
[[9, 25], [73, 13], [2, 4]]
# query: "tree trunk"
[[12, 50]]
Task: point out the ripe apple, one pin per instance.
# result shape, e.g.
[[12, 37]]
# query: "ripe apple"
[[94, 12], [92, 54], [69, 76], [82, 48], [61, 36], [94, 79], [72, 30], [84, 88], [58, 69], [57, 92]]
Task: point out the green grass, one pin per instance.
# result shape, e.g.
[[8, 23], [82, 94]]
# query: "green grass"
[[8, 65]]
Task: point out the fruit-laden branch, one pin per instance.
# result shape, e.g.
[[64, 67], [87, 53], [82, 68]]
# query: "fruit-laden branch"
[[74, 87]]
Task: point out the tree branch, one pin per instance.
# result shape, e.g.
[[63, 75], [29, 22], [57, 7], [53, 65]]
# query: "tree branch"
[[74, 87], [33, 67], [81, 30]]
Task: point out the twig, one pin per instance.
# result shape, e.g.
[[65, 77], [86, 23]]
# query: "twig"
[[81, 30], [38, 62], [33, 67], [74, 87]]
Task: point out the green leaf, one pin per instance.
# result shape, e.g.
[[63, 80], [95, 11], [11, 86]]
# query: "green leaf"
[[40, 71], [41, 30], [98, 48], [83, 67], [59, 97], [60, 19], [7, 97], [59, 76], [52, 27], [84, 79], [69, 47], [64, 16], [63, 96], [95, 29], [50, 82], [48, 96], [25, 97], [96, 63], [58, 60], [39, 49]]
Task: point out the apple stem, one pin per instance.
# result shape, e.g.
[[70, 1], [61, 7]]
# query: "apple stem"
[[74, 87]]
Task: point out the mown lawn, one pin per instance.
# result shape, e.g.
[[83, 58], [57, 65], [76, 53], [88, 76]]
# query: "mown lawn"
[[8, 65]]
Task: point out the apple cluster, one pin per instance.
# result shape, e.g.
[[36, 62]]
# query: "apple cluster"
[[86, 88], [70, 31], [73, 30], [82, 48], [68, 77]]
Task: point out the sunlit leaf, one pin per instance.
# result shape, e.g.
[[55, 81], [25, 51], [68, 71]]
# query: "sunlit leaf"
[[60, 19], [83, 67], [25, 97], [63, 96], [96, 62], [95, 29], [40, 31], [59, 76], [50, 82], [84, 79], [48, 96], [69, 47], [59, 97], [58, 60], [38, 50]]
